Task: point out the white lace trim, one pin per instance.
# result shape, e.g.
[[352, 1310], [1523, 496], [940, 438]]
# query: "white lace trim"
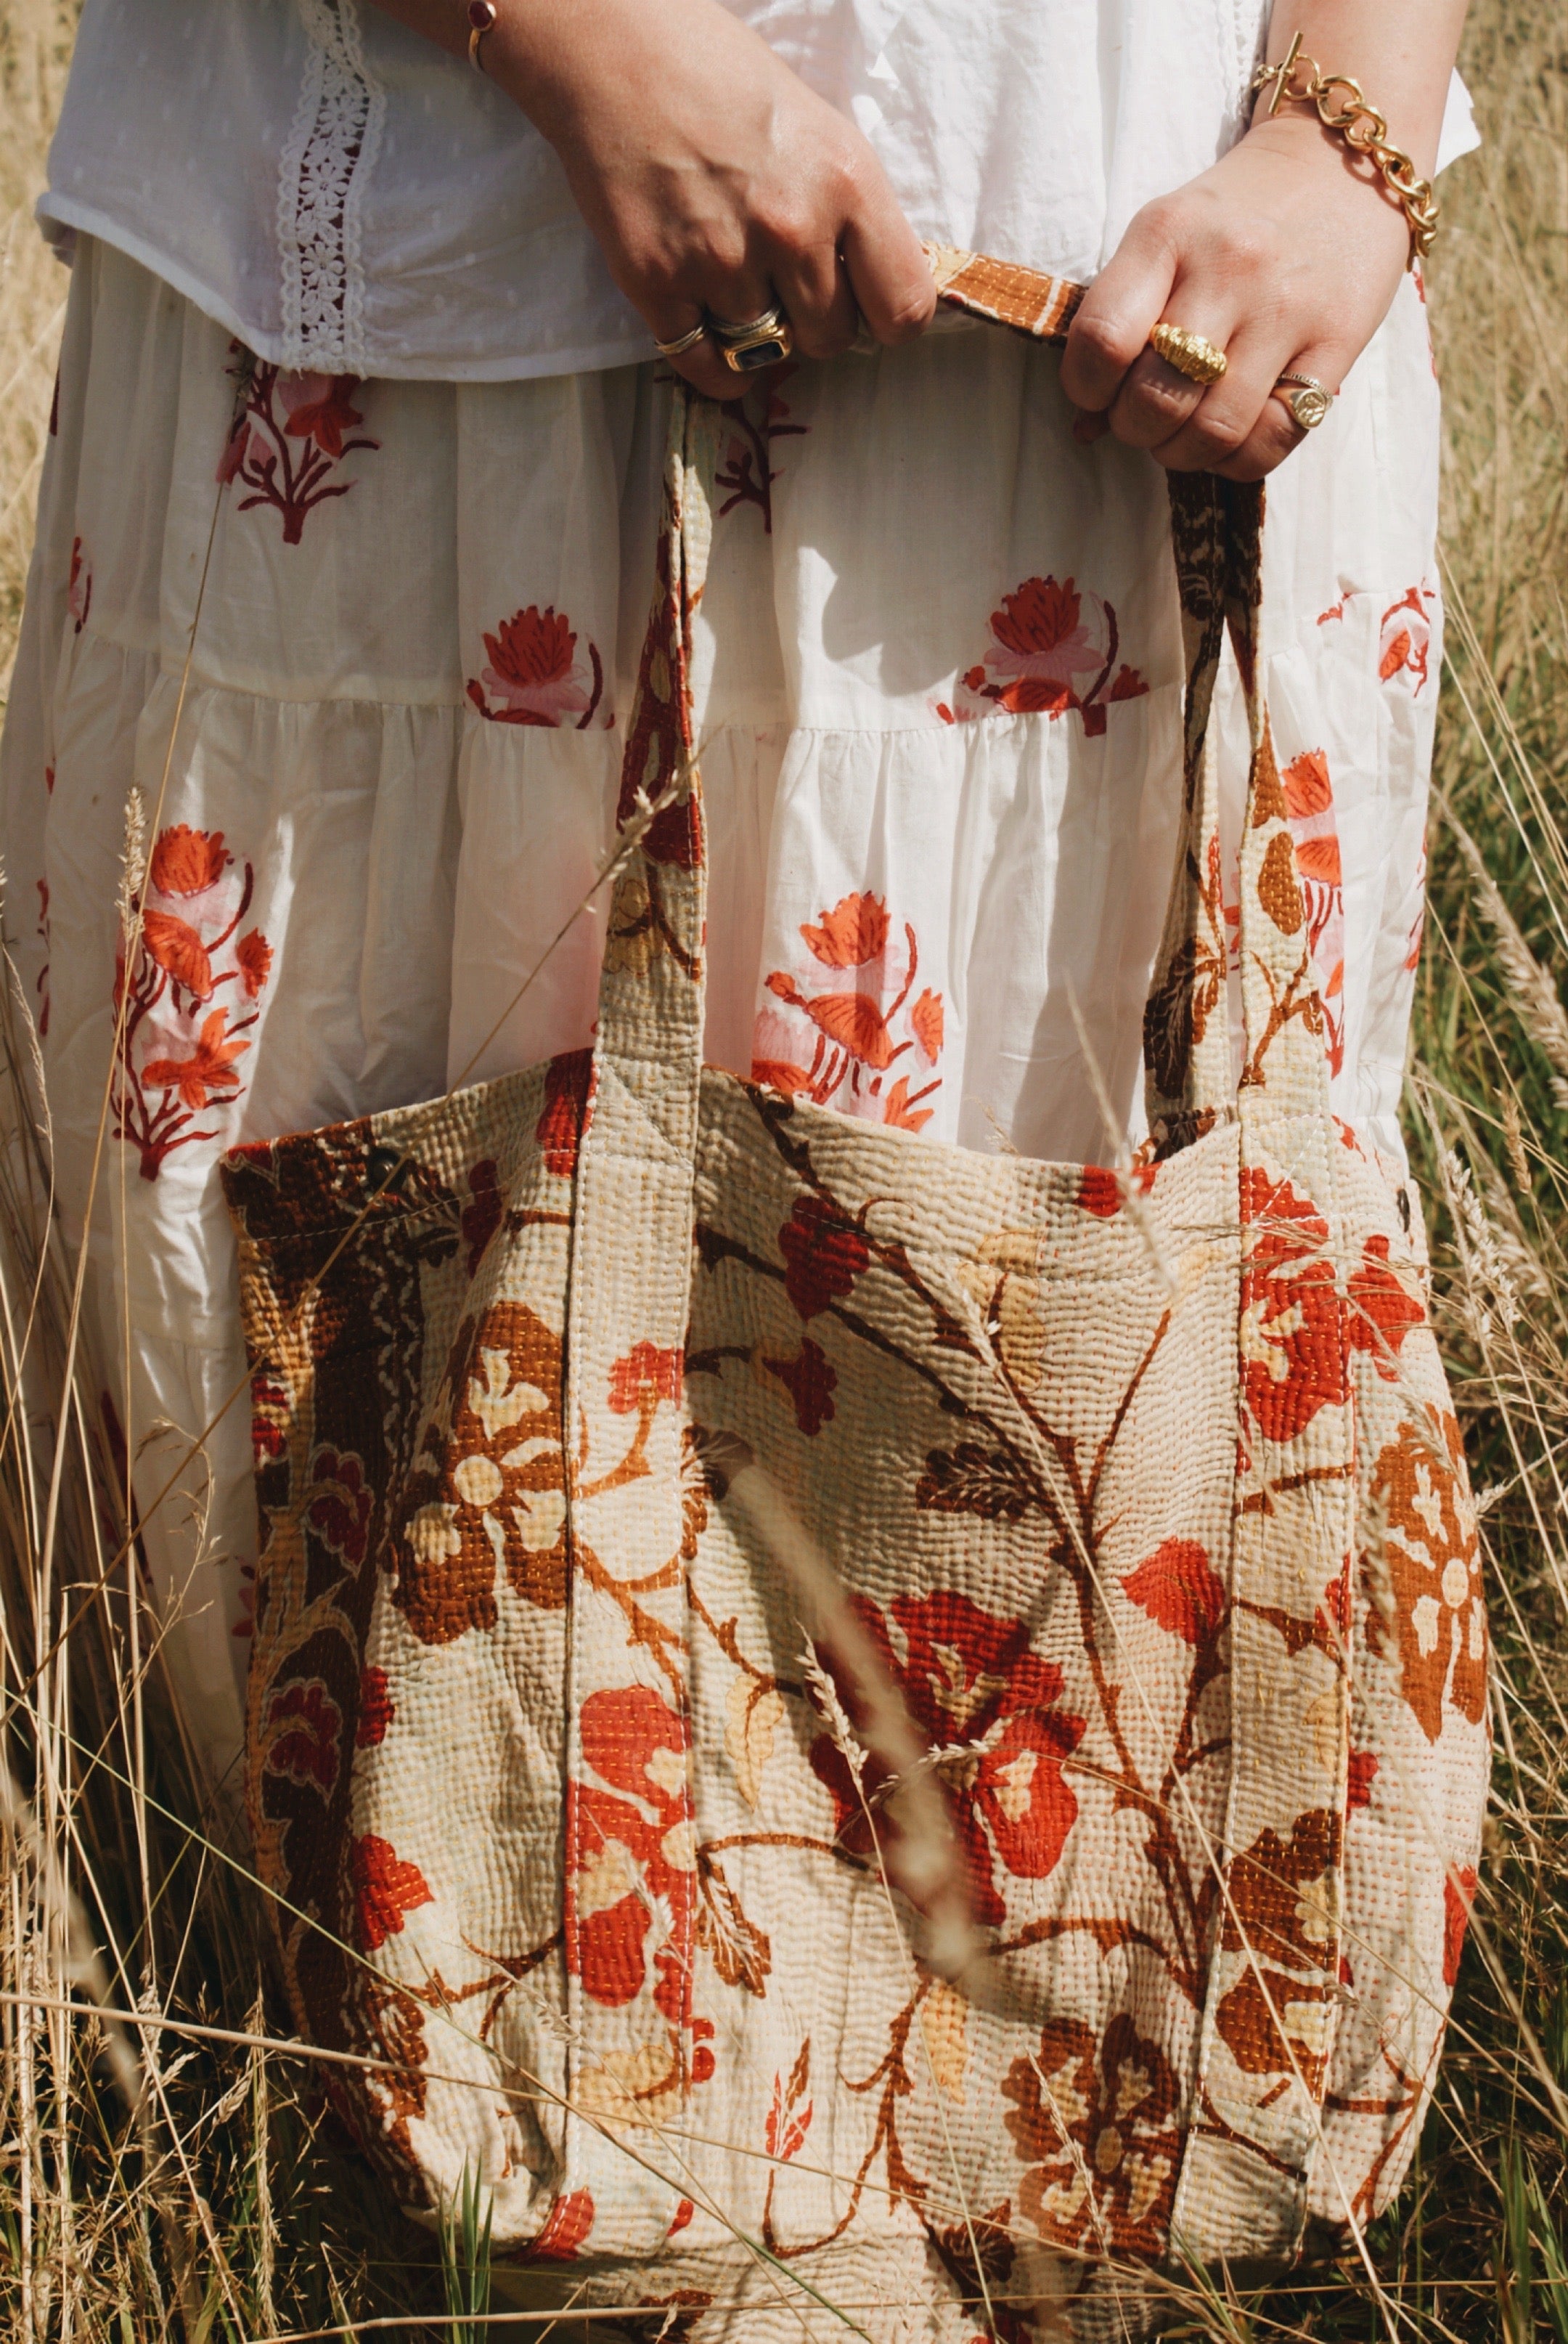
[[325, 165]]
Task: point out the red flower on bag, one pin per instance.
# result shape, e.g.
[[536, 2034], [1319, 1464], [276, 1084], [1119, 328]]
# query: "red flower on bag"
[[1047, 634], [645, 1377], [1180, 1589], [987, 1704], [824, 1254], [534, 673], [1383, 1309], [568, 1105], [385, 1887], [377, 1709], [303, 1723], [810, 1379], [565, 2231], [1292, 1340], [631, 1851]]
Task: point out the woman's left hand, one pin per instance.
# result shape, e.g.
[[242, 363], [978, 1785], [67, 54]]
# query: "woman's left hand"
[[1286, 256]]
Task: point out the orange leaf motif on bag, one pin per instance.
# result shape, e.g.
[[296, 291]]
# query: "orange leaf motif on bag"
[[1459, 1888], [853, 933], [1278, 891], [788, 2123], [1279, 1918], [385, 1887], [565, 2231], [1178, 1589], [1432, 1559]]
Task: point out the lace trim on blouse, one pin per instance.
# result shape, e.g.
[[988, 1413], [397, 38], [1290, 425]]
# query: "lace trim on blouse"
[[326, 166]]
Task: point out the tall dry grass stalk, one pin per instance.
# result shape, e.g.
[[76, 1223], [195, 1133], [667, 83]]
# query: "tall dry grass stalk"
[[166, 2166]]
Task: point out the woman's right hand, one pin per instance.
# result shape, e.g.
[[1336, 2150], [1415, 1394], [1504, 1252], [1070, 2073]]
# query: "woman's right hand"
[[712, 177]]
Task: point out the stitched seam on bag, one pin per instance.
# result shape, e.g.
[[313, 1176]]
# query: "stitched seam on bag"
[[326, 162]]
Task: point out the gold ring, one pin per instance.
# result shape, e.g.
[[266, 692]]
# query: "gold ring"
[[682, 343], [1309, 403], [1189, 354], [761, 342]]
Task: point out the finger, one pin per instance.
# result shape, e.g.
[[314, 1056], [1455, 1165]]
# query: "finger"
[[1276, 434], [889, 274], [1232, 410], [1154, 399], [1115, 316], [814, 291]]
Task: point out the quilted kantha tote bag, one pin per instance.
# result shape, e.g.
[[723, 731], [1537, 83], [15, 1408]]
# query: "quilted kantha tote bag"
[[873, 1737]]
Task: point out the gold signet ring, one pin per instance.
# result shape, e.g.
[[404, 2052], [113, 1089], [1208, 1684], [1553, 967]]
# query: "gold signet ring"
[[1308, 399], [1189, 354]]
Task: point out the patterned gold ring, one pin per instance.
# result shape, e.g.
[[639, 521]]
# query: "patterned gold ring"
[[1189, 354], [1308, 399]]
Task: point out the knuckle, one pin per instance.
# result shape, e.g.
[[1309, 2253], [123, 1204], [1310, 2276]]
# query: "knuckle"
[[1218, 436], [909, 315], [1105, 342]]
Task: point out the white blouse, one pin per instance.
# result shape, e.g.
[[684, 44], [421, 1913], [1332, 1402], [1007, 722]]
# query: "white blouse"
[[346, 199]]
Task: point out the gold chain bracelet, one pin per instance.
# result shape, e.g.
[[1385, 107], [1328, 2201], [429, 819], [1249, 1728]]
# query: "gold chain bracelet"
[[1342, 107]]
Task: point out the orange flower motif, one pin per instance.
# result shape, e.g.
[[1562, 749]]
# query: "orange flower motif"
[[253, 955], [535, 673], [645, 1377], [853, 933], [1053, 647], [185, 861], [209, 1068], [385, 1887], [926, 1017]]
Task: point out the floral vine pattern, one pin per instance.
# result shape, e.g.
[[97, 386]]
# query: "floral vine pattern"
[[756, 420], [1310, 807], [289, 435], [193, 997], [1054, 646], [839, 1046]]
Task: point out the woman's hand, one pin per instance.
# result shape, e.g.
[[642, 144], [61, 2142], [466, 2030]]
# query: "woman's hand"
[[711, 176], [1285, 255]]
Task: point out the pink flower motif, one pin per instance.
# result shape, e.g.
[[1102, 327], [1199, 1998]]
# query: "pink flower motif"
[[1048, 635], [534, 673]]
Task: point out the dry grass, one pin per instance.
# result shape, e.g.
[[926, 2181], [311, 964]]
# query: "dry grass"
[[160, 2182]]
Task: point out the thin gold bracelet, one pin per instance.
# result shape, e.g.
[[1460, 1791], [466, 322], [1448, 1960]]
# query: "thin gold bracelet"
[[1342, 107]]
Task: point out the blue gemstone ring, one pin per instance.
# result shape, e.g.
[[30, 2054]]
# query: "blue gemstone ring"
[[761, 343]]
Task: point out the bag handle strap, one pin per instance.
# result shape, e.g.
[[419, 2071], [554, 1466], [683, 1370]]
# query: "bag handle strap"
[[653, 979]]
